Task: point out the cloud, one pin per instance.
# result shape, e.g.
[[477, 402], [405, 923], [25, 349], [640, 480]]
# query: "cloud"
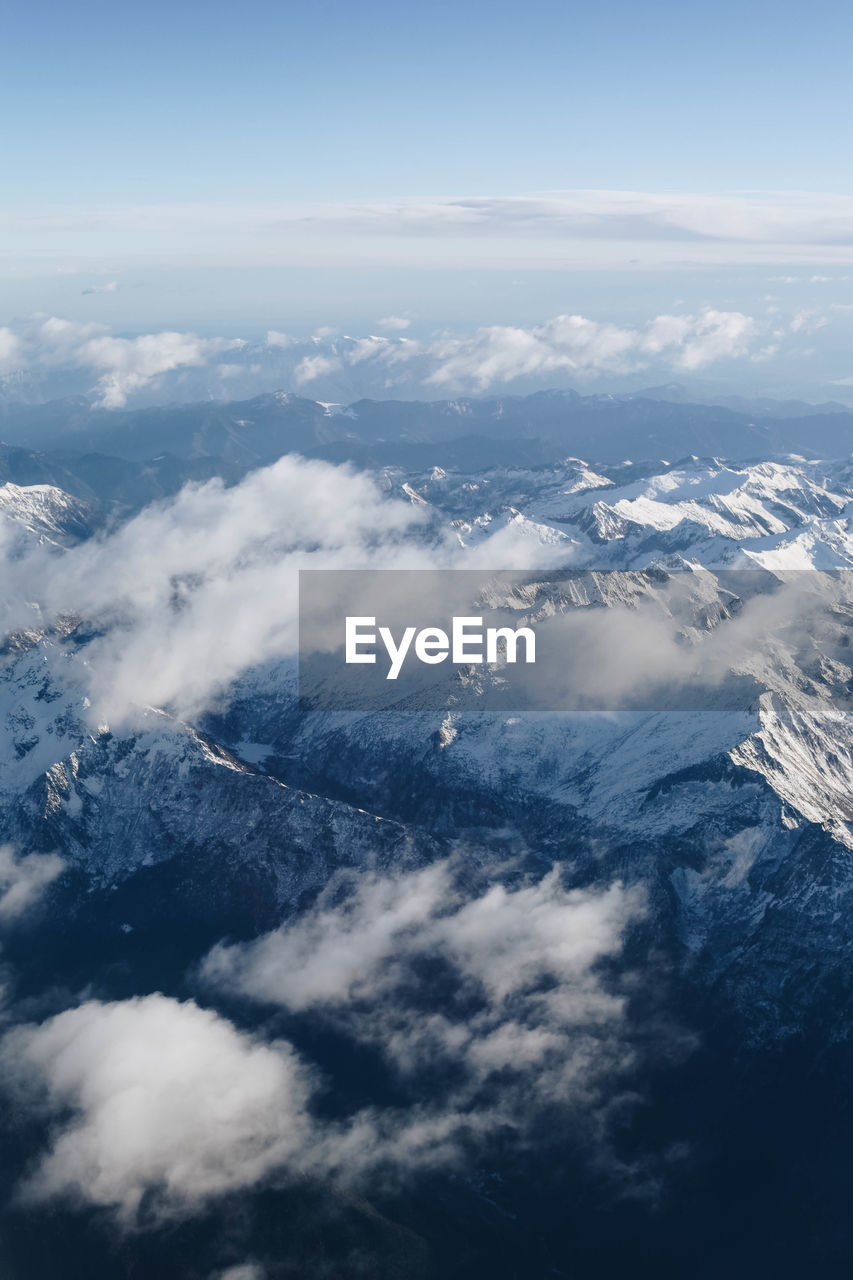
[[310, 368], [598, 228], [112, 287], [165, 1098], [174, 630], [394, 322], [506, 941], [121, 365], [192, 591], [582, 347], [495, 989], [815, 279], [276, 339], [568, 344], [22, 880], [131, 363], [158, 1106], [807, 321], [10, 349]]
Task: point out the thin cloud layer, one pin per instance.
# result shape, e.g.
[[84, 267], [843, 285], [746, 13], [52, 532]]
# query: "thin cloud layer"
[[111, 287], [24, 879], [394, 322], [11, 349], [586, 227]]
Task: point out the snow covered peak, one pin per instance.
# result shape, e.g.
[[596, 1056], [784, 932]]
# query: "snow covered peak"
[[45, 513]]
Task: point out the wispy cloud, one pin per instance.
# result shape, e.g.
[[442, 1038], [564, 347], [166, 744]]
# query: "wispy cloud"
[[159, 1100], [814, 279], [112, 287], [24, 879], [589, 227], [11, 349]]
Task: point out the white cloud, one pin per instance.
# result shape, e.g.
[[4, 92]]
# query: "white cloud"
[[706, 338], [310, 368], [155, 1096], [174, 629], [131, 363], [522, 1009], [337, 954], [194, 590], [583, 347], [394, 322], [122, 365], [276, 339], [10, 349], [55, 340], [807, 320], [164, 1097], [570, 344], [158, 1100], [22, 880]]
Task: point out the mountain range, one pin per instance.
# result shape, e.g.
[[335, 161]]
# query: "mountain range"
[[736, 827]]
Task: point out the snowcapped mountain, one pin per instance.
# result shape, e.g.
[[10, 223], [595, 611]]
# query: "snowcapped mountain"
[[733, 826], [45, 514], [789, 514], [722, 813], [163, 810]]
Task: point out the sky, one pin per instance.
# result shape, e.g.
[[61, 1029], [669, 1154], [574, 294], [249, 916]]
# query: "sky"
[[260, 101], [227, 169]]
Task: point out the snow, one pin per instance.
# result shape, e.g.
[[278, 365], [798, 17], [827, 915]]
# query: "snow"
[[717, 807]]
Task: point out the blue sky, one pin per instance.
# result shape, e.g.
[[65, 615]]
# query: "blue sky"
[[190, 101], [233, 167]]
